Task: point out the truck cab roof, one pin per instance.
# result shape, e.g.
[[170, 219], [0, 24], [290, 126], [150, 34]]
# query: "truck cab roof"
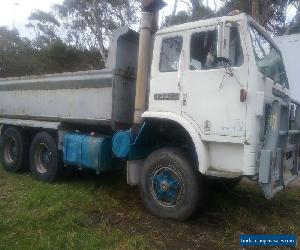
[[201, 23]]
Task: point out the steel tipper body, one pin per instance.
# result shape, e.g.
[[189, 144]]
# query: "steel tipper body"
[[89, 97], [208, 99], [81, 97]]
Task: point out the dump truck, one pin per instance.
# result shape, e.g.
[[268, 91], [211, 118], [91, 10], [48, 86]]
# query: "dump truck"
[[206, 99]]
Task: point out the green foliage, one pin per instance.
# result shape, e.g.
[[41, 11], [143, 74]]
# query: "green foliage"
[[271, 14], [15, 54], [179, 18], [203, 13], [88, 23], [72, 36], [45, 26], [86, 211], [58, 57], [41, 216], [19, 56]]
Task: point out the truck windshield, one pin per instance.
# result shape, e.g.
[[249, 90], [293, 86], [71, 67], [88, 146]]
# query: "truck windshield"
[[269, 61]]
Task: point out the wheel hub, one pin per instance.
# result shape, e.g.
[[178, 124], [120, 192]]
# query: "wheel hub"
[[42, 158], [167, 186], [11, 151], [164, 186]]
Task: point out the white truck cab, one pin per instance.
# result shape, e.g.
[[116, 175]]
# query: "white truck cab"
[[223, 80]]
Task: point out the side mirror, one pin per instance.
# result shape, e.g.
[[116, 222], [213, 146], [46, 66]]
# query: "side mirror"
[[223, 41]]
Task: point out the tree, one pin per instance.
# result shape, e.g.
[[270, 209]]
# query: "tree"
[[271, 14], [200, 11], [15, 53], [196, 11], [173, 12], [19, 56], [97, 18], [45, 26], [178, 18]]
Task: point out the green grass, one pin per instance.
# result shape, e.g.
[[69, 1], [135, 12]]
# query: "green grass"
[[85, 211]]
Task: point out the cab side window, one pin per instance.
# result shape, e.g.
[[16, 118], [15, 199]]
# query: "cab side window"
[[236, 55], [204, 50], [170, 54]]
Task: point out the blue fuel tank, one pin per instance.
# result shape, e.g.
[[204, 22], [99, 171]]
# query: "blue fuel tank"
[[90, 152]]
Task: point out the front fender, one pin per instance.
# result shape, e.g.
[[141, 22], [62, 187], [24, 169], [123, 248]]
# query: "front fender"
[[200, 146]]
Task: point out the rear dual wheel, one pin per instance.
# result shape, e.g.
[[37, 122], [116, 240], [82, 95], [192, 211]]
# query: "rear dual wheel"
[[14, 150], [45, 162], [43, 158]]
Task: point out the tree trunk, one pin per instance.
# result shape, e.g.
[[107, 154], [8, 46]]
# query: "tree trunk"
[[175, 8], [215, 5], [254, 9], [174, 12], [196, 4], [99, 34]]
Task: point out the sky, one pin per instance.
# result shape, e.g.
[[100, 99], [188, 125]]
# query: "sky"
[[16, 12]]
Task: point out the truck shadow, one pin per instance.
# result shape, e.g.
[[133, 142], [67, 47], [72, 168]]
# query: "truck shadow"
[[218, 200], [225, 212]]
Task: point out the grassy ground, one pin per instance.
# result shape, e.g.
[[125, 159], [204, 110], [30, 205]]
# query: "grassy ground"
[[84, 211]]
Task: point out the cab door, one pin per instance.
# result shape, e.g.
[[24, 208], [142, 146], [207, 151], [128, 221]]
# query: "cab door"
[[165, 92], [211, 92]]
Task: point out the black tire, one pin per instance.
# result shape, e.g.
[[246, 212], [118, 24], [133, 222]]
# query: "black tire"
[[45, 163], [14, 150], [179, 176]]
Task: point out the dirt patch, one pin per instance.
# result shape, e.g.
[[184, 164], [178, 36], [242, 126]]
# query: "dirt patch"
[[295, 183], [131, 217], [214, 227], [3, 196], [161, 234]]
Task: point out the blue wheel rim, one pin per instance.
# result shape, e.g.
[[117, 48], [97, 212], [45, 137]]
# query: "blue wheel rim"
[[167, 186]]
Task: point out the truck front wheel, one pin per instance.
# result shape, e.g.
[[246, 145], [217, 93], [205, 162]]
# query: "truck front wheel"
[[14, 150], [169, 185], [44, 158]]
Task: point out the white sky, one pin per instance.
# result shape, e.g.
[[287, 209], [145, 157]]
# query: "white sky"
[[11, 13]]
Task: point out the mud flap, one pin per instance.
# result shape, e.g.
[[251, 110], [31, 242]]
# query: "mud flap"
[[271, 176]]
